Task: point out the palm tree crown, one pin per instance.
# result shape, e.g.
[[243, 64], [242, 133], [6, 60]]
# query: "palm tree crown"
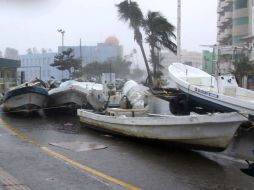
[[129, 11], [159, 31]]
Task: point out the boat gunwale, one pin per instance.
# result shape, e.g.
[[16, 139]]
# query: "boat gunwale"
[[25, 90], [152, 121]]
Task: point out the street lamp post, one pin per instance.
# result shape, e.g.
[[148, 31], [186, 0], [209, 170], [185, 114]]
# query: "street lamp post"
[[62, 32]]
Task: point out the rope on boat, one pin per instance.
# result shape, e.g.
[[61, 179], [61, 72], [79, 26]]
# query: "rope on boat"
[[35, 109]]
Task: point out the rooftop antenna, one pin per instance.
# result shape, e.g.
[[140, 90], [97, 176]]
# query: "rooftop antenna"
[[179, 31]]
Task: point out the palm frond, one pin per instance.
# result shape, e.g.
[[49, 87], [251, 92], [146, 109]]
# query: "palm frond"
[[130, 11], [159, 31]]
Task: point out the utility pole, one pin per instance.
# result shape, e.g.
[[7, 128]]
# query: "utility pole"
[[62, 32], [80, 50], [179, 31]]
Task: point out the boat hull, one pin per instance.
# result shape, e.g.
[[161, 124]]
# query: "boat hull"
[[210, 131], [211, 104], [67, 97], [27, 99]]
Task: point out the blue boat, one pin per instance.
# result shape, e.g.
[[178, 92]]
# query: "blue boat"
[[25, 98]]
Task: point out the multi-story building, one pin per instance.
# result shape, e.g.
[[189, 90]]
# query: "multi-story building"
[[100, 53], [38, 65], [236, 29], [242, 21], [8, 73], [225, 22], [234, 21]]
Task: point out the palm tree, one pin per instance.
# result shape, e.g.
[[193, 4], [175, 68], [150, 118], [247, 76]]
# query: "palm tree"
[[129, 11], [242, 67], [159, 33]]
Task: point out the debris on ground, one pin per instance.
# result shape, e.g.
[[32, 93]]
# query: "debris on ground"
[[78, 146]]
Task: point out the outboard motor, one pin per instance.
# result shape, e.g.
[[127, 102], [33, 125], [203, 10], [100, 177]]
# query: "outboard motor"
[[134, 94]]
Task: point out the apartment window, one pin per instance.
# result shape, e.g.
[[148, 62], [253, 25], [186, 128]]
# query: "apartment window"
[[237, 39], [241, 21], [240, 4]]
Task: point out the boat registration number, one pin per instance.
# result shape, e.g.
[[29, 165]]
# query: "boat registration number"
[[206, 93]]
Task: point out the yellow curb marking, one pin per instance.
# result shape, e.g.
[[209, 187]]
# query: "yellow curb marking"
[[66, 159]]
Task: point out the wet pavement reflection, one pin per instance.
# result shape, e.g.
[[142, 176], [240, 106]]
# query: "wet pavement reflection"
[[148, 165]]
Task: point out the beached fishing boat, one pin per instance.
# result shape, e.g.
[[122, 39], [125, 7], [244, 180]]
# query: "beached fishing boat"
[[210, 131], [28, 97], [220, 93], [73, 94]]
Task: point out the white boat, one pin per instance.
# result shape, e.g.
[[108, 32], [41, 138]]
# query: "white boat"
[[210, 131], [73, 93], [220, 93], [28, 97]]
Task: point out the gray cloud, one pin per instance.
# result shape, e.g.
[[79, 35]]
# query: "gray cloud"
[[30, 23]]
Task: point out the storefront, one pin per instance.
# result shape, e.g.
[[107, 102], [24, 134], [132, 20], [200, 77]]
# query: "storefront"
[[8, 73]]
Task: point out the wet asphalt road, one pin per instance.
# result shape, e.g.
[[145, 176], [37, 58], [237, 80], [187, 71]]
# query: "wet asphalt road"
[[140, 164]]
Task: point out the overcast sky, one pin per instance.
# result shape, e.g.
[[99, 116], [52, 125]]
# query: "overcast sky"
[[34, 23]]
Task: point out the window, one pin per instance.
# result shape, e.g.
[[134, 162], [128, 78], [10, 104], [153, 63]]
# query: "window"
[[241, 21], [240, 4], [237, 39]]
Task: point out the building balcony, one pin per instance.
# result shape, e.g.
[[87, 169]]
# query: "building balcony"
[[219, 10], [219, 24], [226, 5], [228, 15], [228, 31], [219, 36], [224, 26], [225, 41], [226, 19], [223, 36]]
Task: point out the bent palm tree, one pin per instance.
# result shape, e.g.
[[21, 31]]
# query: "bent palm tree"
[[159, 33], [129, 11]]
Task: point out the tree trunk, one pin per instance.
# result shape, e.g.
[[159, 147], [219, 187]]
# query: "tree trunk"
[[138, 38], [153, 56], [150, 81]]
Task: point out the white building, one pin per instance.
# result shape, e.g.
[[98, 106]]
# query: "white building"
[[111, 48], [38, 65], [191, 58]]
